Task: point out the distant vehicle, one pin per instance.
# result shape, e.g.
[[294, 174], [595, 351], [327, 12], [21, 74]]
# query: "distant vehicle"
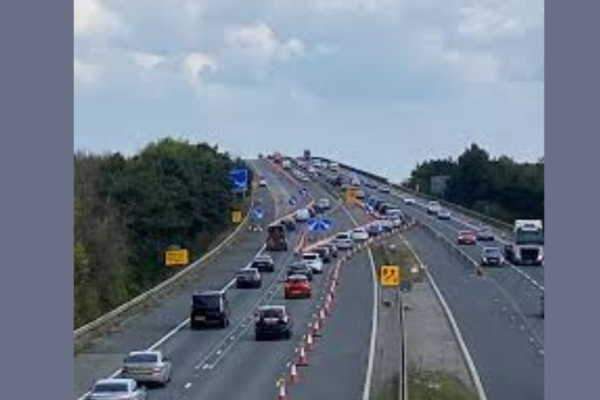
[[359, 235], [273, 322], [297, 286], [262, 182], [374, 229], [209, 307], [371, 185], [324, 204], [325, 253], [302, 215], [433, 207], [444, 214], [248, 278], [355, 181], [289, 224], [396, 222], [286, 164], [386, 224], [335, 167], [304, 178], [117, 389], [147, 367], [409, 201], [263, 263], [527, 247], [384, 189], [313, 260], [485, 235], [300, 268], [492, 256], [276, 239], [360, 194], [466, 237], [332, 249], [343, 241]]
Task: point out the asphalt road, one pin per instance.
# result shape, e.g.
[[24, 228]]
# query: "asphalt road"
[[227, 364]]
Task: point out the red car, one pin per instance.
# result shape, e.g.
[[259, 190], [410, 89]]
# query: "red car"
[[297, 286], [467, 237]]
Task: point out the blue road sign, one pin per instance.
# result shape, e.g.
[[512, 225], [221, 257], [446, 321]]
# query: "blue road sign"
[[258, 213], [319, 224], [239, 178]]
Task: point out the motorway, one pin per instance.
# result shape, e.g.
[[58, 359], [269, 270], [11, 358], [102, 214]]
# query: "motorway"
[[497, 313], [229, 364]]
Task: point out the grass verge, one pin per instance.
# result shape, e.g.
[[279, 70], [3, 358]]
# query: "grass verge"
[[437, 385]]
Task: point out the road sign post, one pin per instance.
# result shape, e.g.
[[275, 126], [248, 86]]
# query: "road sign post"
[[176, 257]]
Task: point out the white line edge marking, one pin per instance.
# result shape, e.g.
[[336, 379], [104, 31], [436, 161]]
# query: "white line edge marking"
[[369, 375], [463, 346]]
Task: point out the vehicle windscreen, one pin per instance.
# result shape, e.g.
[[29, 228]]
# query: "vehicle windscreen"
[[271, 313], [310, 257], [247, 273], [276, 229], [297, 280], [207, 301], [530, 237], [141, 359], [110, 388], [492, 252]]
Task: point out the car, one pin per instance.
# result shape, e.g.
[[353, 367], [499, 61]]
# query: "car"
[[444, 214], [313, 260], [209, 307], [466, 237], [300, 268], [384, 189], [433, 207], [262, 182], [492, 256], [263, 263], [371, 185], [117, 389], [360, 194], [297, 286], [485, 235], [273, 322], [409, 201], [325, 253], [248, 278], [324, 204], [359, 235], [289, 224], [302, 215], [332, 249], [386, 224], [343, 241], [374, 229], [396, 222], [147, 367]]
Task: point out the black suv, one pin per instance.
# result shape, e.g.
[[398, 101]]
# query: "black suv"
[[209, 308], [263, 263], [272, 322]]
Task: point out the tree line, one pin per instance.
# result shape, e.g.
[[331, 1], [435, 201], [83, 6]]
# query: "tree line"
[[129, 210], [498, 187]]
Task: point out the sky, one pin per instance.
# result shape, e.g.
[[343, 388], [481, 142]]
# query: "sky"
[[380, 84]]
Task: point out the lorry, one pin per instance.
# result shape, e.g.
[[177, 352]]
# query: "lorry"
[[527, 246], [286, 163], [276, 239]]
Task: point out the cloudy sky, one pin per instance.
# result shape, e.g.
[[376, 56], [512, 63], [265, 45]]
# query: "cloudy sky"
[[382, 84]]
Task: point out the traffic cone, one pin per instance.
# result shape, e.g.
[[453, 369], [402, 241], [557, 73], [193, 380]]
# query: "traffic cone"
[[282, 391], [310, 346], [302, 359], [322, 316], [294, 377], [317, 328]]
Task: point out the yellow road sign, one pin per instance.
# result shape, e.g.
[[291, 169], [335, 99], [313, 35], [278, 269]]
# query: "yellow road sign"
[[177, 257], [390, 275], [236, 217]]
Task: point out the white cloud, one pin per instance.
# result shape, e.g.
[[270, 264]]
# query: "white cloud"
[[195, 63], [260, 42], [94, 17], [85, 73], [384, 7], [147, 61]]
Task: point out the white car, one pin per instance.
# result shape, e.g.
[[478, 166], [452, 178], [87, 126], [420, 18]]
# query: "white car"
[[324, 204], [443, 214], [343, 241], [147, 366], [262, 183], [360, 235], [384, 189], [302, 215], [409, 201], [117, 389], [433, 207], [313, 260]]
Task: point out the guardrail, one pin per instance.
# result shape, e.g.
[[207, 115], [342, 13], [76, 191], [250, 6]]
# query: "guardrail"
[[93, 328], [455, 207]]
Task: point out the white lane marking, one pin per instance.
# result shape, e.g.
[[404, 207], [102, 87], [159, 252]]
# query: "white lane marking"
[[463, 346], [369, 376]]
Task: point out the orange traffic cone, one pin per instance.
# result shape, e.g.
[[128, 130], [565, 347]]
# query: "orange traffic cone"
[[317, 328], [322, 316], [294, 377], [282, 391], [309, 342], [302, 359]]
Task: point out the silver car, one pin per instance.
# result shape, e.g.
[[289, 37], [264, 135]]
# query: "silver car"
[[147, 366], [117, 389]]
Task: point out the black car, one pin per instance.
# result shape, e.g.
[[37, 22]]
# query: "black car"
[[289, 224], [209, 308], [273, 322], [300, 268], [492, 256], [263, 263], [485, 235], [248, 278], [324, 253], [332, 249]]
